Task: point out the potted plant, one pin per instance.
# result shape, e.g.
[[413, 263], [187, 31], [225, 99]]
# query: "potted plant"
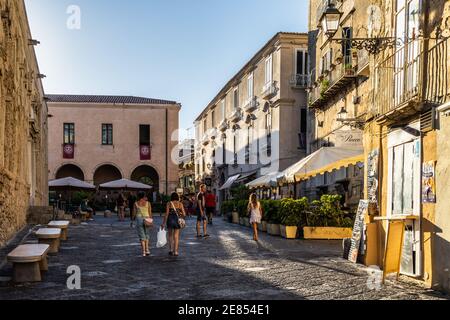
[[292, 212], [273, 218], [349, 70], [324, 86], [327, 221]]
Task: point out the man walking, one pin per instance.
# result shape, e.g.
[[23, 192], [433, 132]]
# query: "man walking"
[[201, 212], [210, 206]]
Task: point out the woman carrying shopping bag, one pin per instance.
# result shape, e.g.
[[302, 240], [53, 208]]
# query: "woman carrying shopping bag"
[[174, 219], [144, 220]]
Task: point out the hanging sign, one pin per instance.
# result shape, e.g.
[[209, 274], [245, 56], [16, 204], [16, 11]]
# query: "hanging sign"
[[145, 152], [350, 138], [68, 151]]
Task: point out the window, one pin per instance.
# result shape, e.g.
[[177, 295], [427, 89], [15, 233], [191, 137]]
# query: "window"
[[236, 98], [301, 62], [213, 118], [144, 135], [107, 134], [69, 133], [247, 147], [269, 70], [403, 179], [269, 133], [326, 61], [235, 149], [303, 128], [205, 125], [250, 86], [347, 45]]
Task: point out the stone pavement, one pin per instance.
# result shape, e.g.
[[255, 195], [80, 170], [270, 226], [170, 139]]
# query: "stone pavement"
[[229, 265]]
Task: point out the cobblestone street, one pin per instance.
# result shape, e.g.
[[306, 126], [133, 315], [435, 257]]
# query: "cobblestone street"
[[226, 266]]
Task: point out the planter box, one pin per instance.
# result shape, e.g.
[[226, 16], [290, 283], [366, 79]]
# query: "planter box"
[[235, 217], [327, 233], [241, 221], [273, 229], [262, 226], [247, 222], [288, 232]]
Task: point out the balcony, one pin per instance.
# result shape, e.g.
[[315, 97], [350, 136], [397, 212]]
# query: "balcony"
[[299, 81], [223, 126], [269, 90], [236, 115], [251, 105], [411, 79], [331, 82]]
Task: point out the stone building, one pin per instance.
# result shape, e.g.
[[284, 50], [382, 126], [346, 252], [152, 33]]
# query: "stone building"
[[397, 107], [23, 122], [99, 139], [257, 123]]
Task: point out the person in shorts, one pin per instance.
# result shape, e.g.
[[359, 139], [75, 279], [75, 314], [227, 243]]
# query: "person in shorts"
[[201, 212]]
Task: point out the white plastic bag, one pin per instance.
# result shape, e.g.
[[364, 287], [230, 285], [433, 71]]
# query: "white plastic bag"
[[162, 238]]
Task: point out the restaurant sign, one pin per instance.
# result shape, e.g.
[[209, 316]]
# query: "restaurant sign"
[[351, 138]]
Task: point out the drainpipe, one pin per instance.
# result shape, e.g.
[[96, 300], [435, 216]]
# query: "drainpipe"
[[167, 152]]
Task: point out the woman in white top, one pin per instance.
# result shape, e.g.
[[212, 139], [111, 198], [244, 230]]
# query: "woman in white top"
[[256, 214]]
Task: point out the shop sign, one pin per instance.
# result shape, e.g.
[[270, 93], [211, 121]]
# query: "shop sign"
[[353, 138]]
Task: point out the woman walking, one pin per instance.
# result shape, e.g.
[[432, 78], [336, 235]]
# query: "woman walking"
[[174, 211], [144, 217], [256, 214]]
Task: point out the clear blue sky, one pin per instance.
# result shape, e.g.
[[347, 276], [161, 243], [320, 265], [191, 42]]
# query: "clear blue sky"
[[183, 50]]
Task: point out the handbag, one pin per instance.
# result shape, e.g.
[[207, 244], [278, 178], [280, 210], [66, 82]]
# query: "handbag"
[[148, 222], [181, 221]]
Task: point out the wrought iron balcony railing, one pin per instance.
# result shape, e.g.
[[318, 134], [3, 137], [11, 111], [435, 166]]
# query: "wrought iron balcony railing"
[[412, 76], [251, 105], [332, 81], [299, 80]]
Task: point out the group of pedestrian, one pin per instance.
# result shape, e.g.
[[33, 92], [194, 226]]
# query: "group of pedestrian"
[[175, 214]]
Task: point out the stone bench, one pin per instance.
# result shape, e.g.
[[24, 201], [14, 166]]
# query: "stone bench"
[[63, 225], [50, 236], [28, 262]]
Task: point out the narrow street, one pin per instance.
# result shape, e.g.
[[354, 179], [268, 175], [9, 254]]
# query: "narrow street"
[[226, 266]]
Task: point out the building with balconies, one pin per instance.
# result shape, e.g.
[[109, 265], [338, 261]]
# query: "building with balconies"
[[398, 95], [260, 117]]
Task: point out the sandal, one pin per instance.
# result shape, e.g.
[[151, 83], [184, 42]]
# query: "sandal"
[[199, 236], [206, 236], [171, 253]]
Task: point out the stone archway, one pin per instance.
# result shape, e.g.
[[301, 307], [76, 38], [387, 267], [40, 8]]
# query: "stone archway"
[[106, 173], [70, 170], [147, 175]]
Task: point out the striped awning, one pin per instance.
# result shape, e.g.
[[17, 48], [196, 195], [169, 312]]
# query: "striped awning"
[[324, 160], [269, 180]]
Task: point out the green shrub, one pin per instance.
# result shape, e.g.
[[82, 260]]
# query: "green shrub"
[[328, 213], [271, 211], [293, 212], [241, 192], [242, 208], [227, 207]]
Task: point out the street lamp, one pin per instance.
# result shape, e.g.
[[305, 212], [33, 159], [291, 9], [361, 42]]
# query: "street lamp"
[[342, 117], [330, 19]]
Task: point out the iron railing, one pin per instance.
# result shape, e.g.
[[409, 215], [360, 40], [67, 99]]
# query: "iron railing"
[[413, 74]]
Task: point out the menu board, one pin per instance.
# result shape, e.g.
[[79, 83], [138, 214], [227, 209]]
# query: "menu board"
[[358, 231]]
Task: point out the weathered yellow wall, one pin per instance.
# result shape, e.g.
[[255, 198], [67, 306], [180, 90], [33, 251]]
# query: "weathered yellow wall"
[[428, 211]]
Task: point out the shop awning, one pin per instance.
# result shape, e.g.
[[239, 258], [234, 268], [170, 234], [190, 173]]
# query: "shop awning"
[[269, 180], [324, 160], [245, 177], [230, 182]]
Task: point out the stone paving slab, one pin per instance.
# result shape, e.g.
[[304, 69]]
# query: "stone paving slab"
[[229, 265]]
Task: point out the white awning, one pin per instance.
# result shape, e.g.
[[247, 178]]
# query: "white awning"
[[321, 161], [125, 184], [230, 182], [70, 183], [269, 180]]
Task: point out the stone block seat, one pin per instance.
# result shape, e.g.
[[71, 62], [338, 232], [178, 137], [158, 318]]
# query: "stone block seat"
[[63, 225], [28, 262], [50, 236]]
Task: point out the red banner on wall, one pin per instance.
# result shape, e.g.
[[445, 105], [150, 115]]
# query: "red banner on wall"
[[68, 151], [145, 152]]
